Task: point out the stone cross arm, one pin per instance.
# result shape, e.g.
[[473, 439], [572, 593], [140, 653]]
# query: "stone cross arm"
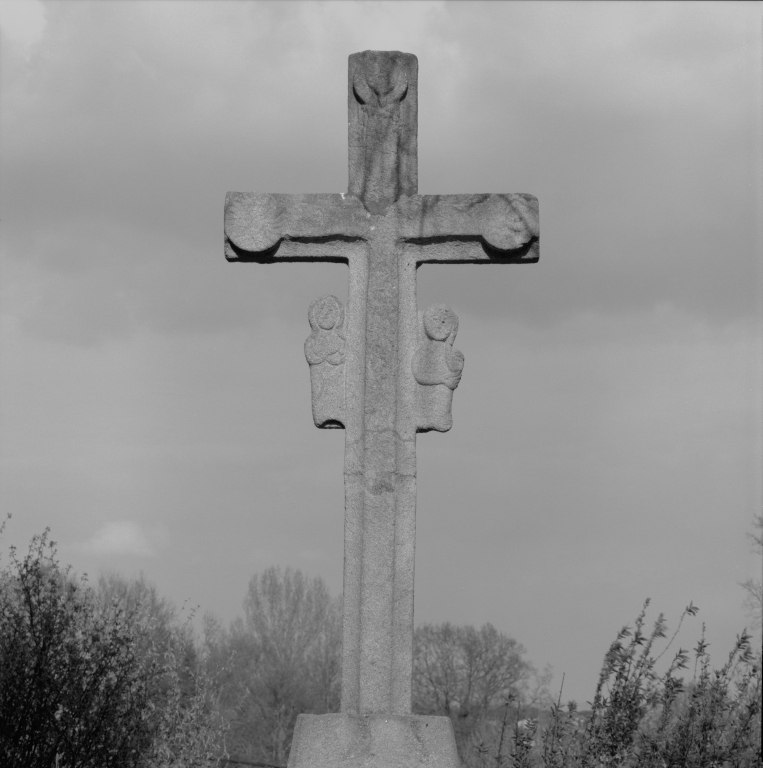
[[468, 228], [456, 228], [265, 227]]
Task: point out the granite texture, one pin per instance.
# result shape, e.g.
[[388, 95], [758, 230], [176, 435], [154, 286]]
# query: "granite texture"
[[382, 103], [373, 741], [325, 354], [437, 368], [378, 367]]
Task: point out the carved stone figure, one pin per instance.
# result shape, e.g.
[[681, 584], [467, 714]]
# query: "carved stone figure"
[[437, 368], [325, 352]]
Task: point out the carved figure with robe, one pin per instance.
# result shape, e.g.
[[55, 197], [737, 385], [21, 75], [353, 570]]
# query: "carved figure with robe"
[[437, 368], [325, 353]]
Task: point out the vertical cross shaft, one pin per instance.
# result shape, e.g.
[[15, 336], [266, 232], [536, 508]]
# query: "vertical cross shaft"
[[380, 480]]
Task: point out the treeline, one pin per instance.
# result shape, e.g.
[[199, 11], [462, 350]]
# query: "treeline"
[[110, 674], [284, 657]]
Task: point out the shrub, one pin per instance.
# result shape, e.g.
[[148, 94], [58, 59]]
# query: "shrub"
[[72, 688], [639, 719], [88, 681]]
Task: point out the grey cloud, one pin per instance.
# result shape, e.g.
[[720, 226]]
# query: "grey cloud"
[[644, 190]]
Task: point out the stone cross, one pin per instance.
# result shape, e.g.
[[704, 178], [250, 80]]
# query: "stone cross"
[[379, 369]]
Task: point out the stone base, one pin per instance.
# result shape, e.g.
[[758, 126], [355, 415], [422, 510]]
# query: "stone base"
[[373, 741]]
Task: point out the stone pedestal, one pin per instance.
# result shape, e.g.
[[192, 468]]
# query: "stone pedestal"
[[373, 741]]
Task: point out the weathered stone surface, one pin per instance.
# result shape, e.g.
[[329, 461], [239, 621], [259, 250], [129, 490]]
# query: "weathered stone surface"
[[435, 228], [256, 222], [437, 368], [325, 353], [383, 104], [506, 225], [373, 741], [383, 372]]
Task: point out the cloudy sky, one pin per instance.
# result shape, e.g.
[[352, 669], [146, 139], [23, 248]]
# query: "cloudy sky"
[[606, 444]]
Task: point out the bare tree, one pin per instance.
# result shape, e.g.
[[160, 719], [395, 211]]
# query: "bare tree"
[[141, 599], [282, 659], [467, 674]]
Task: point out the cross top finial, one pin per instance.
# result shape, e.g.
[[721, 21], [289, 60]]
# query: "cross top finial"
[[383, 111], [381, 80]]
